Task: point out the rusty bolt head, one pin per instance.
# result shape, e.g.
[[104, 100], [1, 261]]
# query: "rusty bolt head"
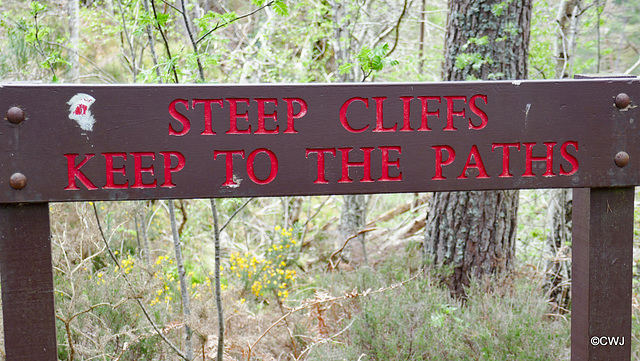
[[621, 159], [622, 101], [18, 181], [15, 115]]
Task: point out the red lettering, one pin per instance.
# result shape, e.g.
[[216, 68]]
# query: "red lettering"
[[186, 125], [208, 122], [451, 112], [548, 159], [110, 170], [343, 114], [505, 156], [426, 113], [484, 119], [451, 156], [229, 181], [233, 116], [380, 117], [291, 115], [568, 157], [386, 163], [320, 154], [477, 163], [251, 170], [262, 116], [169, 170], [138, 169], [73, 172], [406, 114], [366, 164]]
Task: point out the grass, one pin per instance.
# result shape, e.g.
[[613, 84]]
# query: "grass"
[[504, 318]]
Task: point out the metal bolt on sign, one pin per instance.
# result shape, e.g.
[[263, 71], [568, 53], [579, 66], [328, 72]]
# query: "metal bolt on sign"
[[621, 159], [15, 115], [18, 181], [622, 101]]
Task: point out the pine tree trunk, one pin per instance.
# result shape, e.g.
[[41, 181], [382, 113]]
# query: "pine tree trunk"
[[473, 233]]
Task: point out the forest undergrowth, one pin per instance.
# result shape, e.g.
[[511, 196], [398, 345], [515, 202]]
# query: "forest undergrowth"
[[289, 293]]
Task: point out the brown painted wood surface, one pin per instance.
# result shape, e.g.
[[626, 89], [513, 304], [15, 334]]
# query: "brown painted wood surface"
[[602, 273], [136, 119], [27, 283]]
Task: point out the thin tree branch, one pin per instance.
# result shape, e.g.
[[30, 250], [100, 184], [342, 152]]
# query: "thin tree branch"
[[363, 231], [218, 26], [165, 41], [124, 275], [38, 45], [395, 43], [633, 67], [187, 25], [172, 6], [152, 43], [218, 289], [325, 299], [184, 293], [235, 213], [111, 78], [129, 42]]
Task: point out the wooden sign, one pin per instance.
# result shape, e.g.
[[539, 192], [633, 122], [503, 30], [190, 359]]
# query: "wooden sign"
[[96, 142], [138, 142]]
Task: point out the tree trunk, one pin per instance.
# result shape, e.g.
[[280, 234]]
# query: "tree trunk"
[[558, 280], [352, 220], [182, 276], [566, 18], [353, 216], [473, 233], [559, 210], [74, 40]]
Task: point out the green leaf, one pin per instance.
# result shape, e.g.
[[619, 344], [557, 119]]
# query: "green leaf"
[[377, 63], [281, 8], [36, 8], [345, 68], [162, 19]]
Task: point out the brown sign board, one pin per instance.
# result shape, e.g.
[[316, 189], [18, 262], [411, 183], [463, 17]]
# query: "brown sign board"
[[119, 142]]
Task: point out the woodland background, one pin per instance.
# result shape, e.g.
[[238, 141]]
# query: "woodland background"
[[300, 278]]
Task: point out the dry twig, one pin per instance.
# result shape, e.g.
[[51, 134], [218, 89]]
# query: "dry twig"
[[321, 298]]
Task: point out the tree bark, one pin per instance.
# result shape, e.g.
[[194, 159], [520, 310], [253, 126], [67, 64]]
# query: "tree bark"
[[184, 292], [353, 216], [74, 39], [558, 272], [472, 234], [567, 12], [560, 208], [352, 220]]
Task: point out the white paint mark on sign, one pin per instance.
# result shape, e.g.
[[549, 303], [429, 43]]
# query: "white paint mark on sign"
[[79, 110]]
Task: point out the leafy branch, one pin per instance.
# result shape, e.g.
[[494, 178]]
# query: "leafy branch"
[[371, 60]]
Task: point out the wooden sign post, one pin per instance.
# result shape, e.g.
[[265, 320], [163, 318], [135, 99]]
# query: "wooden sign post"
[[99, 142]]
